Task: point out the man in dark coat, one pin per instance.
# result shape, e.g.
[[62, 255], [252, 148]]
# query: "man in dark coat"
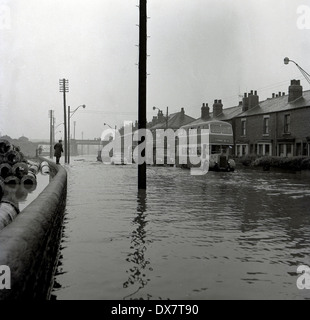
[[58, 150]]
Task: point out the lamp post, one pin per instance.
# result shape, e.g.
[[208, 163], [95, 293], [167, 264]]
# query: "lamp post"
[[54, 128], [106, 124], [304, 73], [70, 114], [166, 115]]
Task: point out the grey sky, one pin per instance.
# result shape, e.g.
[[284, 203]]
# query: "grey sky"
[[200, 50]]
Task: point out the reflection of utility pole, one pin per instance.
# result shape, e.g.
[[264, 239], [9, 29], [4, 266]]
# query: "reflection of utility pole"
[[139, 264], [142, 87], [64, 87]]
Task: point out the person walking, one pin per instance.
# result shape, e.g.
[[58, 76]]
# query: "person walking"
[[58, 150]]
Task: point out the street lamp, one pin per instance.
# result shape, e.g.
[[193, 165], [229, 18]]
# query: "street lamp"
[[70, 114], [154, 108], [304, 73], [106, 124]]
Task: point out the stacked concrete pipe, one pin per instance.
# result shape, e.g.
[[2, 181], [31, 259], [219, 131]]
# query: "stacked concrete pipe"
[[29, 244]]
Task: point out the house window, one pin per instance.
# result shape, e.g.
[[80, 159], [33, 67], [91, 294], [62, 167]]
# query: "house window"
[[281, 150], [289, 150], [252, 149], [305, 150], [266, 125], [244, 150], [243, 127], [238, 151], [264, 149], [287, 123]]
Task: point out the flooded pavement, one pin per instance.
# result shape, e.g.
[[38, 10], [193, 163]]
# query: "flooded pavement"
[[238, 235]]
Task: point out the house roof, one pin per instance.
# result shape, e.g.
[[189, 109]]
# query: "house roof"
[[227, 114], [175, 121], [278, 104]]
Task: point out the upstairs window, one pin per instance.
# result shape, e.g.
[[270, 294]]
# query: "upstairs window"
[[287, 123], [243, 127], [266, 125]]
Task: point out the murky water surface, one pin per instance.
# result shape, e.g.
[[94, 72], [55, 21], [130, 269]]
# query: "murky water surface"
[[221, 236]]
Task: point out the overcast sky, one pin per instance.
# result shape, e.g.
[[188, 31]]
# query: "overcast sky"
[[199, 51]]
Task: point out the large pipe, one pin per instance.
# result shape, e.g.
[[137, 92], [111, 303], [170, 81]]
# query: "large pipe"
[[34, 167], [13, 157], [12, 182], [44, 167], [2, 186], [20, 169], [29, 181], [8, 210], [5, 170], [5, 146]]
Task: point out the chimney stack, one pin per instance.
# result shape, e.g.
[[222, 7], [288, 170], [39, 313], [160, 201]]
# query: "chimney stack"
[[245, 103], [182, 113], [253, 100], [294, 90], [205, 112], [217, 108]]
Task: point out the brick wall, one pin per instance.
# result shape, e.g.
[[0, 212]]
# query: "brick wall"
[[299, 129]]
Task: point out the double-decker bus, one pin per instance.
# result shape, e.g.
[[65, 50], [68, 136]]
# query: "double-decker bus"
[[218, 147]]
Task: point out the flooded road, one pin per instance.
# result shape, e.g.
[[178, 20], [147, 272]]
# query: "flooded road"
[[238, 235]]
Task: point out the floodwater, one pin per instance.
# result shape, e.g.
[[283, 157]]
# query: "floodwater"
[[238, 235]]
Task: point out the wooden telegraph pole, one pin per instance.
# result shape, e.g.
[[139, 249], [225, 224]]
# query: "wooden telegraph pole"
[[142, 87]]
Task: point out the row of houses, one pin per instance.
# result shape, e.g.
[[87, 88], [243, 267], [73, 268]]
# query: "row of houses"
[[278, 126]]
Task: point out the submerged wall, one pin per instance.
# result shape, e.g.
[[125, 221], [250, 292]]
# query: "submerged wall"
[[29, 245]]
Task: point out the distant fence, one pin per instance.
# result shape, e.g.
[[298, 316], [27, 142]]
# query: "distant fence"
[[30, 244]]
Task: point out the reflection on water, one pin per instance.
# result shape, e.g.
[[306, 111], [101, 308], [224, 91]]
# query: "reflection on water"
[[138, 264], [221, 236]]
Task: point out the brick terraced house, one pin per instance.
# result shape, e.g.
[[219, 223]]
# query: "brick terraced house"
[[279, 126]]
